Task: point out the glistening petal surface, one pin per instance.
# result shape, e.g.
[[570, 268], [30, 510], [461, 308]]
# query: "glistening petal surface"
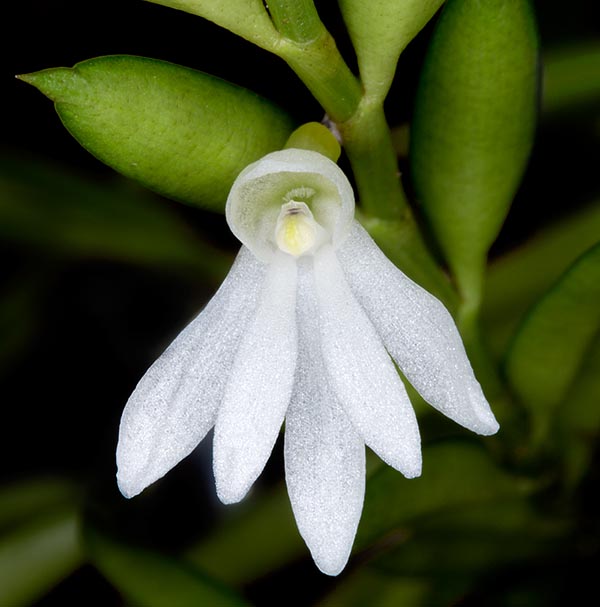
[[324, 455], [260, 386], [418, 332], [362, 373], [174, 404]]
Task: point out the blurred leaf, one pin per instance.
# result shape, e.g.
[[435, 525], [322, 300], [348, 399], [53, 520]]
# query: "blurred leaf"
[[45, 206], [246, 18], [21, 500], [571, 76], [474, 540], [473, 127], [38, 555], [154, 580], [180, 132], [19, 310], [380, 30], [519, 278], [454, 475], [552, 341], [578, 417], [454, 551], [376, 589], [259, 535]]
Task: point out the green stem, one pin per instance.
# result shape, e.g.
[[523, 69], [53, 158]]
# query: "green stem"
[[366, 139], [296, 20], [368, 143], [325, 73]]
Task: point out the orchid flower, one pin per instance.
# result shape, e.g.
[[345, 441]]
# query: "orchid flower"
[[303, 329]]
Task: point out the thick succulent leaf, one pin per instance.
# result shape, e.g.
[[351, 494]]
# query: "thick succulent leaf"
[[380, 30], [230, 552], [552, 341], [454, 475], [246, 18], [578, 417], [37, 555], [154, 580], [24, 499], [516, 280], [473, 126], [178, 131], [571, 76], [474, 539], [368, 586]]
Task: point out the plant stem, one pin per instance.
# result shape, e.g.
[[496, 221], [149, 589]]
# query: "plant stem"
[[296, 20], [368, 143]]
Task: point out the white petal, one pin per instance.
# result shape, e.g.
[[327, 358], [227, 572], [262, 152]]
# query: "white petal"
[[418, 332], [362, 373], [324, 455], [174, 404], [259, 389]]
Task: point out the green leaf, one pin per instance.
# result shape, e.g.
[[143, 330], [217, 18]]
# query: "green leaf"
[[578, 418], [376, 589], [380, 30], [38, 555], [519, 278], [24, 499], [154, 580], [51, 209], [473, 127], [454, 475], [474, 539], [455, 551], [571, 76], [257, 537], [552, 341], [180, 132], [246, 18]]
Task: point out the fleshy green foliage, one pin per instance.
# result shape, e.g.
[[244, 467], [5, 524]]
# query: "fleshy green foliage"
[[473, 126], [380, 30], [180, 132], [154, 580], [247, 18], [552, 341], [454, 475], [39, 539]]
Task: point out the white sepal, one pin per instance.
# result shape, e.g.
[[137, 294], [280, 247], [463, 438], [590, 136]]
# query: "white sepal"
[[175, 403], [324, 455], [362, 374], [418, 332], [260, 385]]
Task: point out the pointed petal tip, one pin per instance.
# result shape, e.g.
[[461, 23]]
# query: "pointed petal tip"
[[412, 472], [490, 427], [230, 491], [128, 489], [331, 568]]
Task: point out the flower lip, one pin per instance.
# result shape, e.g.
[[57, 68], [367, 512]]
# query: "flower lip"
[[258, 206]]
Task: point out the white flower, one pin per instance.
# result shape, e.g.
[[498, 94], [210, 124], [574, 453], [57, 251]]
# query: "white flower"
[[302, 328]]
